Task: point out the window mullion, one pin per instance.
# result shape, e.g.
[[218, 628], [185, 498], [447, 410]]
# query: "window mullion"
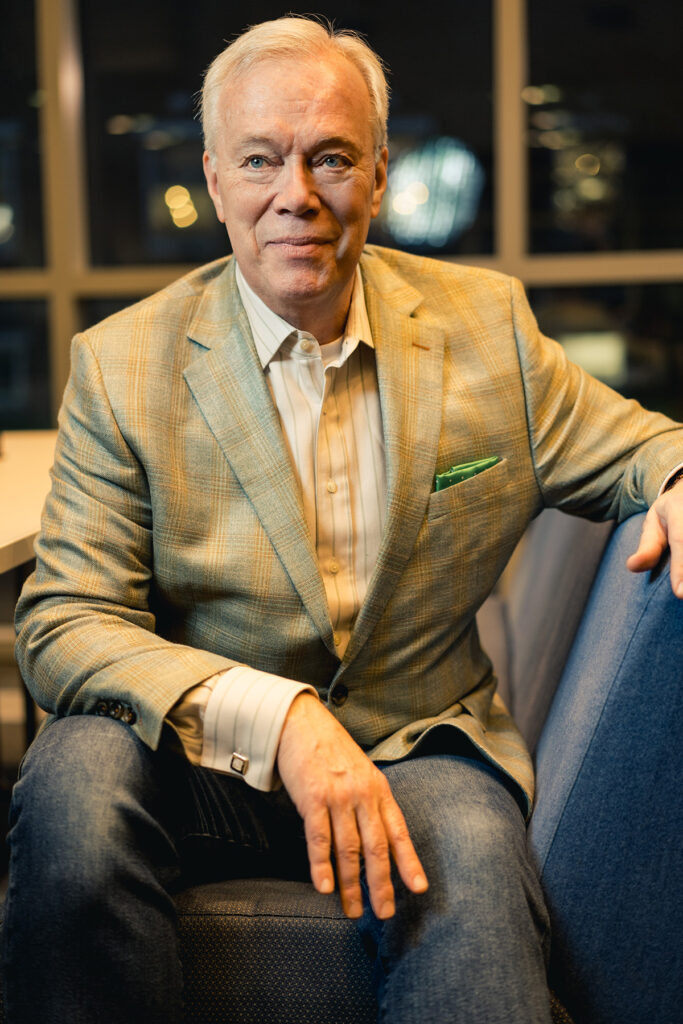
[[64, 184], [509, 78]]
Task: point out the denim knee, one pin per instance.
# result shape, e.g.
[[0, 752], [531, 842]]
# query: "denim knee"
[[471, 838], [473, 946], [92, 860], [86, 786]]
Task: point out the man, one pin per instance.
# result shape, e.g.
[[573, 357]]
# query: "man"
[[245, 551]]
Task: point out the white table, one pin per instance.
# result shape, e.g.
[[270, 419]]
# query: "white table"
[[25, 461]]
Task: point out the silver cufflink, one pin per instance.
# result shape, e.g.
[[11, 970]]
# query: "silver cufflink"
[[239, 763]]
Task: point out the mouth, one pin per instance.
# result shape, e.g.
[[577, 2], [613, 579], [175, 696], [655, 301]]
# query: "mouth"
[[306, 245]]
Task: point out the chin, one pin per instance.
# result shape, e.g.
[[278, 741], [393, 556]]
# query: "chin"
[[303, 283]]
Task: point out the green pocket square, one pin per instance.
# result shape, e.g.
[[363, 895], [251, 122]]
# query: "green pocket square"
[[464, 471]]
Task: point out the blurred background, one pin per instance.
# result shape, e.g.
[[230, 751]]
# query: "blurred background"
[[536, 137]]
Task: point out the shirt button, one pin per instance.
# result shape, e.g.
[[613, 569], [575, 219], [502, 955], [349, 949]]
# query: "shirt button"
[[337, 639], [339, 695], [307, 345], [333, 567], [331, 486]]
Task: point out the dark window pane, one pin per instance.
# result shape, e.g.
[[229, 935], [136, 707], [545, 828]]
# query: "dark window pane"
[[143, 64], [24, 366], [91, 311], [630, 336], [605, 131], [21, 236]]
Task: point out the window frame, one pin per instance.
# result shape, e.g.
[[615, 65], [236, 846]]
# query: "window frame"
[[68, 277]]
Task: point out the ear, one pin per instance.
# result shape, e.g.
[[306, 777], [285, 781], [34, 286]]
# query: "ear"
[[380, 181], [211, 175]]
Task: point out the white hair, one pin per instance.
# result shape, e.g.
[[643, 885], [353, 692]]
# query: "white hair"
[[293, 37]]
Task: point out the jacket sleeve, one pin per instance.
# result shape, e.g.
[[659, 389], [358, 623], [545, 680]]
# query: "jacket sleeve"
[[594, 452], [86, 634]]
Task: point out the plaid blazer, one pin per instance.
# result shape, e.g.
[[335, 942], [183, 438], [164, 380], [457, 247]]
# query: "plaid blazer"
[[173, 541]]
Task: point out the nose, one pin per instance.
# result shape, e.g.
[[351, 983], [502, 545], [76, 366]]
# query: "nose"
[[297, 193]]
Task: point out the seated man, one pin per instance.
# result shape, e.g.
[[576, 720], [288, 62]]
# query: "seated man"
[[252, 617]]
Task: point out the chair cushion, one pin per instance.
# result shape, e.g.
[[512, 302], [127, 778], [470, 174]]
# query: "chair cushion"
[[265, 951], [261, 950]]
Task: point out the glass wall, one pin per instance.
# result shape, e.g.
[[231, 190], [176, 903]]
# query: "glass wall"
[[537, 139], [24, 366], [629, 336], [21, 214], [143, 67], [605, 130]]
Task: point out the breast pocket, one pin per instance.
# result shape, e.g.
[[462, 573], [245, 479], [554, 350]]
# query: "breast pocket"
[[469, 493]]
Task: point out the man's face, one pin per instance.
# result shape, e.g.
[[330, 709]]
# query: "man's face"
[[295, 180]]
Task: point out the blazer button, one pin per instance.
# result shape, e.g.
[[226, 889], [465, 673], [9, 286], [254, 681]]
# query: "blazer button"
[[129, 717], [115, 709], [102, 707], [339, 695]]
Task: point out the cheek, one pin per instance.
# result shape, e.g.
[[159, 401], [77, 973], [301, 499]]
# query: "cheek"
[[351, 208], [355, 216], [243, 216]]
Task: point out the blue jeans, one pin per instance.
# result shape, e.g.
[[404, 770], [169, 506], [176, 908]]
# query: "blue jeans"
[[103, 831]]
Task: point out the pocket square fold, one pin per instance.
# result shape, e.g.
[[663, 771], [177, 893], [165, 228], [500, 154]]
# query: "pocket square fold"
[[456, 474]]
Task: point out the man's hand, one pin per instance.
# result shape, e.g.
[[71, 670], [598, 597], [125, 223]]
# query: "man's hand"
[[663, 528], [347, 805]]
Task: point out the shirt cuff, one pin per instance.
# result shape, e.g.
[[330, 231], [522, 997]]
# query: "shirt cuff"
[[187, 718], [674, 472], [243, 720]]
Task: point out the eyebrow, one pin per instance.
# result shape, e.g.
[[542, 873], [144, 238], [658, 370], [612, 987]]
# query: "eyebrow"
[[332, 141]]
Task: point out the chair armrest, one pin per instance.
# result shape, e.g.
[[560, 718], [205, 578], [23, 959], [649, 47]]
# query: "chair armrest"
[[608, 820]]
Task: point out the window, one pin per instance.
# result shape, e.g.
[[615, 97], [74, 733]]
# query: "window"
[[604, 129], [629, 336], [538, 139], [143, 67], [21, 220], [24, 366]]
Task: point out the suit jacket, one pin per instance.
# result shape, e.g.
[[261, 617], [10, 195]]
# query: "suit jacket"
[[174, 545]]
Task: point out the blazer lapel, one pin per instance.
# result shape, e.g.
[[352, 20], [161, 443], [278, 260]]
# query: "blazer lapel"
[[229, 386], [409, 356]]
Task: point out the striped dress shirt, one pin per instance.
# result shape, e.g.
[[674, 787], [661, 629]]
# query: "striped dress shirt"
[[327, 400]]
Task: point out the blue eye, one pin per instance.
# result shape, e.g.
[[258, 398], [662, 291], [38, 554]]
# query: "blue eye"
[[333, 160], [256, 162]]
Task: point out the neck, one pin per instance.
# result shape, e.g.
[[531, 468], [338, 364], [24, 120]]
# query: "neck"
[[325, 328]]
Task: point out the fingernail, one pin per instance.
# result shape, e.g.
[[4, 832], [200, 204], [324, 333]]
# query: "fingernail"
[[679, 590], [386, 910], [326, 885], [419, 883], [355, 909]]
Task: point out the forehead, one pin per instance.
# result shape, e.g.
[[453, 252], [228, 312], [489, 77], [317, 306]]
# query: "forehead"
[[288, 95]]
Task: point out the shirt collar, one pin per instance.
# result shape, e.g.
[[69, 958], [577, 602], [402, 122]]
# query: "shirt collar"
[[270, 331]]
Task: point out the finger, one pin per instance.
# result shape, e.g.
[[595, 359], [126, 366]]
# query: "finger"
[[653, 543], [347, 848], [676, 546], [377, 861], [402, 849], [318, 844]]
